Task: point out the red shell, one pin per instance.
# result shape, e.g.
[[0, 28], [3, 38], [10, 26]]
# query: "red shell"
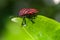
[[28, 11]]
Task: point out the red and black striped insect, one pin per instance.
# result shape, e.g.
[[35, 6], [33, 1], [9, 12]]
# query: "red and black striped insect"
[[27, 12]]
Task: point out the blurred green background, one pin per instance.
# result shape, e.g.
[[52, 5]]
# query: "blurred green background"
[[49, 8]]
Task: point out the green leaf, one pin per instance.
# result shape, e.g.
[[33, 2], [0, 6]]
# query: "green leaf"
[[43, 29]]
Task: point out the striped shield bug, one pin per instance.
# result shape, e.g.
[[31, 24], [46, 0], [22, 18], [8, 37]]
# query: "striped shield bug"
[[29, 13]]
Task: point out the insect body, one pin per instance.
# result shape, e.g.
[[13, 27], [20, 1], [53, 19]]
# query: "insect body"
[[27, 12]]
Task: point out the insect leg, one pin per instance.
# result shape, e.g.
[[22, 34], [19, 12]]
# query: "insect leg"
[[31, 19], [24, 21], [34, 16]]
